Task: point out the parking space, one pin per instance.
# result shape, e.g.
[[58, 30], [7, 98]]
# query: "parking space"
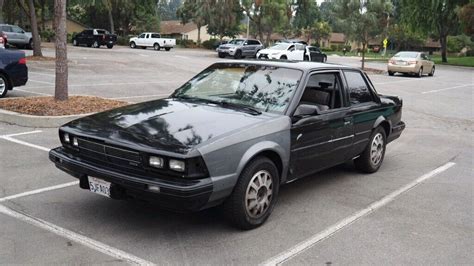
[[322, 219]]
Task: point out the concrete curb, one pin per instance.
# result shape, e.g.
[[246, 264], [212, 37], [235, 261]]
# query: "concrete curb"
[[36, 121]]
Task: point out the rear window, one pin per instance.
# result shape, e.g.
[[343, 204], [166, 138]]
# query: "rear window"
[[5, 28], [154, 35], [358, 89], [406, 54]]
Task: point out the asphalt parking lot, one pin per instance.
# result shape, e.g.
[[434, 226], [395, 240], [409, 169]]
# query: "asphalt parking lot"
[[417, 209]]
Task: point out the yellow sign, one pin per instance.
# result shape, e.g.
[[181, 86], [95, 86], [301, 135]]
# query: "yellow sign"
[[385, 41]]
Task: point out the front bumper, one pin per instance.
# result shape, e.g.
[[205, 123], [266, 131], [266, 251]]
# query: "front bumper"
[[183, 195], [227, 51]]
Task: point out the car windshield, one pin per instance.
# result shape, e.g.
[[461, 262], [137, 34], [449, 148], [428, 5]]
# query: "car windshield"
[[258, 88], [406, 54], [237, 42], [280, 46]]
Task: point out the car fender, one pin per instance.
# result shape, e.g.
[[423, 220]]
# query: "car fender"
[[380, 120], [134, 39], [263, 147]]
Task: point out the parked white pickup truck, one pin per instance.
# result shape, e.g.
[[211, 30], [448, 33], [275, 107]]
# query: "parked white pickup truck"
[[152, 39]]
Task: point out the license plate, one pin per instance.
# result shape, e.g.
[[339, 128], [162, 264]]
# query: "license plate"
[[403, 63], [99, 186]]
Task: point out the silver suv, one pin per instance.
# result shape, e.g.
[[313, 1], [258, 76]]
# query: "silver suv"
[[239, 48], [16, 36]]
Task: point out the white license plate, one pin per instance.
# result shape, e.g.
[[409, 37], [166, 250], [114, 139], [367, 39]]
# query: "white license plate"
[[99, 186], [403, 63]]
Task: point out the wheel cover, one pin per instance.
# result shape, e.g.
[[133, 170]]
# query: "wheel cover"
[[376, 149], [3, 85], [259, 194]]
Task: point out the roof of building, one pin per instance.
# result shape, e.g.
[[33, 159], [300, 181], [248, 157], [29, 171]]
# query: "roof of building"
[[337, 37], [175, 27], [430, 43]]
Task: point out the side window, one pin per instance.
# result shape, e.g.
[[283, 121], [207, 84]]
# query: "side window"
[[89, 32], [154, 35], [358, 89], [17, 29], [142, 36], [300, 47], [291, 48], [6, 28], [324, 91]]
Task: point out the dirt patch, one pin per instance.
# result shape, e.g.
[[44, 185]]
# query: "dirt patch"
[[39, 58], [43, 106]]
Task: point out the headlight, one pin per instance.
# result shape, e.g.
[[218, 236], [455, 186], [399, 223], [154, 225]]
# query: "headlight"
[[156, 162], [177, 165], [66, 138], [75, 142]]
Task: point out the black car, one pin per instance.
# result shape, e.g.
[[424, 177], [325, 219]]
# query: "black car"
[[316, 54], [232, 135], [13, 70], [94, 38]]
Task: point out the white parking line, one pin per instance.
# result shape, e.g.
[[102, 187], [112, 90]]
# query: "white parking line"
[[32, 92], [44, 74], [310, 242], [445, 89], [21, 133], [141, 96], [78, 238], [11, 139], [395, 81], [38, 191], [44, 82]]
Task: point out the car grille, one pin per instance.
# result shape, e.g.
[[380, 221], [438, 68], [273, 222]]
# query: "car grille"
[[106, 153], [224, 48]]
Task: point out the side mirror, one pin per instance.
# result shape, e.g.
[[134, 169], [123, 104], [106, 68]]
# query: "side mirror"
[[306, 109]]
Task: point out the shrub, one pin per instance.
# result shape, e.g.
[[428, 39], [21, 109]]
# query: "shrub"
[[121, 40], [326, 49], [186, 43], [47, 35], [209, 44], [456, 43]]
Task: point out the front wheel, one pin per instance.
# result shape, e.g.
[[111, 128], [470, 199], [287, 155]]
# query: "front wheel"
[[238, 54], [254, 195], [325, 59], [74, 42], [221, 55], [4, 87], [432, 71], [420, 72], [31, 45], [156, 46], [133, 45], [283, 57], [96, 44], [371, 158]]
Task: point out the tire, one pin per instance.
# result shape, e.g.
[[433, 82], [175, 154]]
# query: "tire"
[[221, 55], [305, 58], [133, 45], [30, 45], [96, 44], [420, 72], [371, 158], [4, 85], [432, 71], [249, 191], [325, 59], [156, 46], [390, 73], [283, 57], [167, 49], [110, 46], [74, 42], [238, 54]]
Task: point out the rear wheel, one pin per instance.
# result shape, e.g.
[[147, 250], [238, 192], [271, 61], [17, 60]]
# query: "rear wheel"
[[133, 45], [156, 46], [371, 158], [110, 46], [31, 45], [391, 73], [4, 85], [167, 49], [74, 42], [420, 72], [283, 57], [254, 195], [432, 71]]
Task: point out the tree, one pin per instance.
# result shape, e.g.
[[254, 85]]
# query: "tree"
[[61, 86], [253, 9], [306, 14], [404, 37], [363, 19], [30, 9], [196, 11], [437, 16], [466, 16], [224, 18], [318, 31]]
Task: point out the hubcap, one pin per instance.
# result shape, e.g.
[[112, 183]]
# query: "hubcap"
[[376, 149], [259, 194], [3, 86]]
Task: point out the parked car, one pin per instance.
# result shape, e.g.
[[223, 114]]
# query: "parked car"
[[292, 51], [239, 48], [232, 135], [152, 39], [16, 36], [415, 63], [316, 55], [2, 42], [94, 38], [13, 70]]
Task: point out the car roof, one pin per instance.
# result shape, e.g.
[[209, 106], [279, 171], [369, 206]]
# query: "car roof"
[[299, 65]]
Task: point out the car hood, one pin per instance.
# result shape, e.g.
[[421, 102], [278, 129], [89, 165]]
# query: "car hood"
[[271, 51], [229, 45], [168, 125]]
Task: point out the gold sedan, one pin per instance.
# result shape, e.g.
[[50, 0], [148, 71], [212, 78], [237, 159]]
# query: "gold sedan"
[[411, 63]]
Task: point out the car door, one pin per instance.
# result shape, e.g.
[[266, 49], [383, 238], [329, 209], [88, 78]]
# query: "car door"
[[21, 37], [88, 37], [11, 36], [321, 140], [298, 53], [141, 39], [365, 109], [427, 64]]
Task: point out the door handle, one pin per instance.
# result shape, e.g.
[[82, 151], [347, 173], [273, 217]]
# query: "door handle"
[[347, 121]]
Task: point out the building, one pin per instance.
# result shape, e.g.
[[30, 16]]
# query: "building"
[[188, 31], [72, 26], [335, 38]]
